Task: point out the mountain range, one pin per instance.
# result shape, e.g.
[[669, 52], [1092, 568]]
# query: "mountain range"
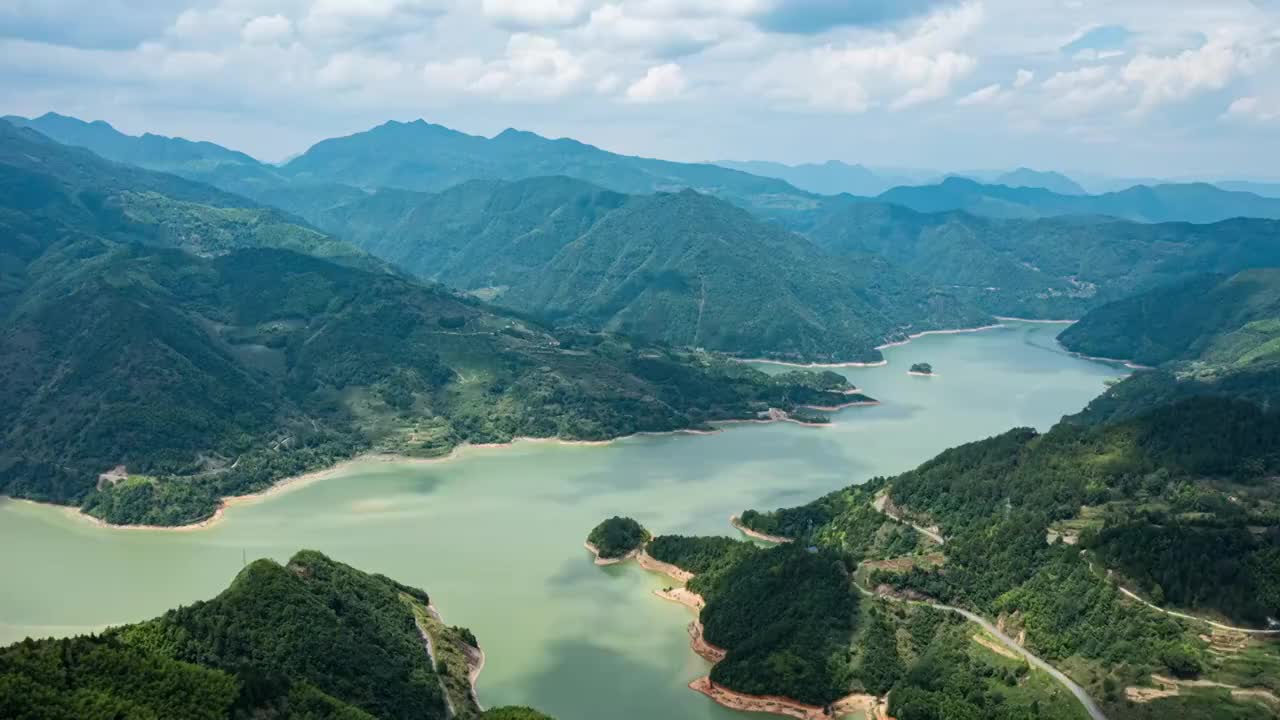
[[1193, 202], [217, 346]]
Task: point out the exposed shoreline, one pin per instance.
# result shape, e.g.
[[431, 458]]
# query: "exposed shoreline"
[[1029, 320], [896, 343], [874, 707], [603, 561], [735, 521], [913, 373], [295, 482], [1120, 361]]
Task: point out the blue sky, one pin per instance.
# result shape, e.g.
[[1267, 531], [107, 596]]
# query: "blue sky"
[[1165, 88]]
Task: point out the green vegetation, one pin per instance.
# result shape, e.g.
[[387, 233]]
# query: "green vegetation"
[[922, 369], [618, 537], [1191, 203], [216, 374], [708, 558], [785, 615], [311, 640], [513, 713], [1043, 268], [684, 269]]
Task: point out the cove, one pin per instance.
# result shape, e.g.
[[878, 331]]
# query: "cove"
[[495, 535]]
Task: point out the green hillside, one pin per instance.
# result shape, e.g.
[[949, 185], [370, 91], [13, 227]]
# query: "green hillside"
[[426, 157], [684, 269], [1212, 335], [1176, 505], [1192, 202], [215, 374], [1047, 268], [310, 640]]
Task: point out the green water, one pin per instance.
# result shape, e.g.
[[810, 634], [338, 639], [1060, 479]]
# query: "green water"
[[495, 536]]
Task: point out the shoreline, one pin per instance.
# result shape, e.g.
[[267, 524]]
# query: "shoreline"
[[956, 331], [294, 482], [874, 707], [1131, 365], [896, 343], [1029, 320], [775, 539], [603, 562], [920, 374]]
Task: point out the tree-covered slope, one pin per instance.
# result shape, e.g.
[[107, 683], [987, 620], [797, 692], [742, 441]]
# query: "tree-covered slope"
[[310, 640], [1231, 322], [201, 161], [188, 340], [692, 270], [685, 269], [426, 157], [1194, 202], [1178, 504], [1213, 335], [1044, 268]]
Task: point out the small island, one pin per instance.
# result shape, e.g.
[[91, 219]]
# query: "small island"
[[921, 369], [616, 539]]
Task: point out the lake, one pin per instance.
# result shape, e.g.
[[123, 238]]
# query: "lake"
[[495, 535]]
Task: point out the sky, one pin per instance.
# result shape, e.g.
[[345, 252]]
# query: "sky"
[[1132, 88]]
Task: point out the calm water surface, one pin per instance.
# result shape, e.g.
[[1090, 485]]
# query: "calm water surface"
[[495, 536]]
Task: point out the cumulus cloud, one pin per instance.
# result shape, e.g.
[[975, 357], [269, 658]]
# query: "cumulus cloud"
[[1165, 79], [528, 14], [355, 69], [533, 67], [661, 83], [1074, 93], [882, 70], [659, 29], [1253, 109], [1023, 78], [267, 30], [983, 96]]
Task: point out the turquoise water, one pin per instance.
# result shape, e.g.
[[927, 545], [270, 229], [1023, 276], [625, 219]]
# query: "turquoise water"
[[495, 535]]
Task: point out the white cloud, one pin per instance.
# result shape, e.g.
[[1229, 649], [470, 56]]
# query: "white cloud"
[[1165, 79], [1253, 109], [1074, 93], [267, 30], [983, 96], [1023, 78], [659, 29], [355, 69], [346, 21], [537, 13], [882, 69], [534, 67], [661, 83]]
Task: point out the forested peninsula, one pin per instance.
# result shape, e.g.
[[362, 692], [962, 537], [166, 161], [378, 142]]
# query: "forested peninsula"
[[312, 639]]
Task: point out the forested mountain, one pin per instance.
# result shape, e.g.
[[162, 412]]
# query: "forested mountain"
[[1192, 202], [1178, 504], [202, 161], [1212, 335], [426, 157], [209, 359], [682, 268], [830, 178], [310, 640], [1044, 268], [1052, 181]]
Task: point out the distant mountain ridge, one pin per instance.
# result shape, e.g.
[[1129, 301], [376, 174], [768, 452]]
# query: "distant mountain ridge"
[[1047, 180], [829, 178], [682, 268], [1197, 203]]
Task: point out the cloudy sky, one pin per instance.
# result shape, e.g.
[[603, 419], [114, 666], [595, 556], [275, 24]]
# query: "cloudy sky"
[[1125, 87]]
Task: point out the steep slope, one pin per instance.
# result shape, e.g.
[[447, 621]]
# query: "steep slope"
[[1196, 203], [310, 640], [1052, 181], [1045, 268], [213, 374], [425, 157], [1210, 336], [201, 161], [691, 270], [1176, 505]]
